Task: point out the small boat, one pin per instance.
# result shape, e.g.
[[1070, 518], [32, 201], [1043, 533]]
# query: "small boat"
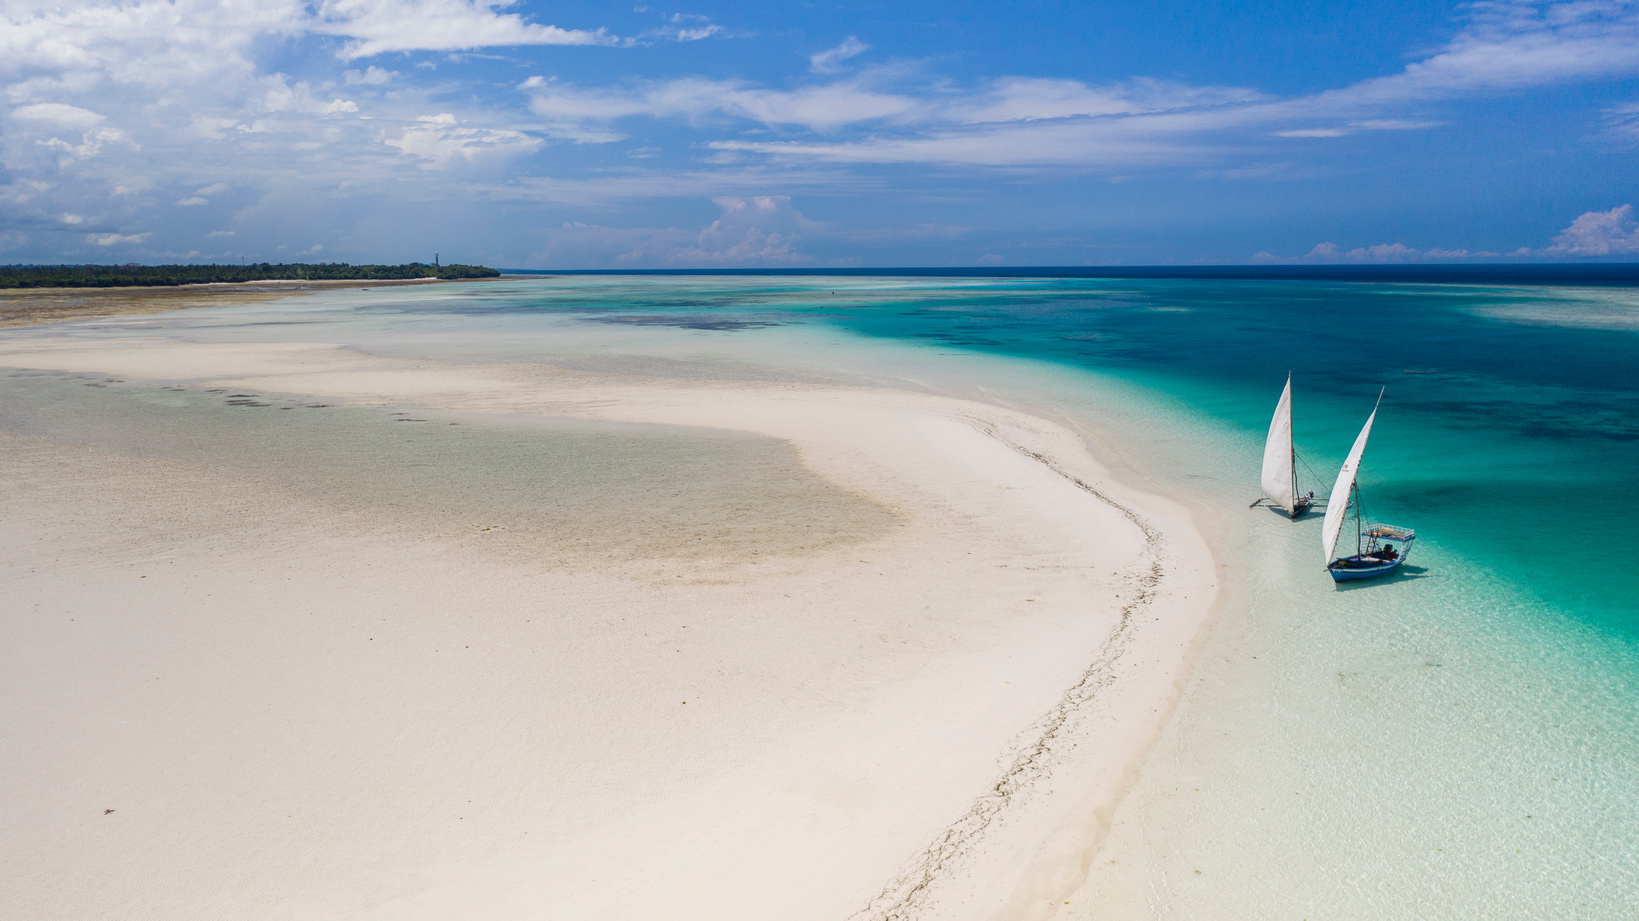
[[1280, 462], [1379, 548]]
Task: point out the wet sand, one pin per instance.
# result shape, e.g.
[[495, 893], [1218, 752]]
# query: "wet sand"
[[21, 307]]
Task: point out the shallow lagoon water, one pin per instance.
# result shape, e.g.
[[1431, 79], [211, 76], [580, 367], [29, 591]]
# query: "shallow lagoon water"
[[1457, 741]]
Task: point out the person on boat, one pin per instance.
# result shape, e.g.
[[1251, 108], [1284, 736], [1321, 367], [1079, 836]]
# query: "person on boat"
[[1387, 555]]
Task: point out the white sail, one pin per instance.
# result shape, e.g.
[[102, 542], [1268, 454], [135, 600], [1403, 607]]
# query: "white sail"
[[1279, 480], [1337, 504]]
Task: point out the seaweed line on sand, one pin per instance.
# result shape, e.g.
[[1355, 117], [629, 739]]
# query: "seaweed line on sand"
[[905, 896]]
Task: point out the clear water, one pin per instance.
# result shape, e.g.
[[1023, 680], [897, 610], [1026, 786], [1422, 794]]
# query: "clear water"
[[1461, 740], [1509, 432]]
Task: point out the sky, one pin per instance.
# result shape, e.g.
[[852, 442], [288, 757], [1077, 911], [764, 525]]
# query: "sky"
[[787, 134]]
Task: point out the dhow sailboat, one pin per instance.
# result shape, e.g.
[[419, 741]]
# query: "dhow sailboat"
[[1380, 548], [1280, 462]]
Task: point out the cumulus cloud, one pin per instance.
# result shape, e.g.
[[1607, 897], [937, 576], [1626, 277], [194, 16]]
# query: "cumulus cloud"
[[370, 76], [1594, 233], [91, 144], [1377, 254], [1599, 233], [119, 111]]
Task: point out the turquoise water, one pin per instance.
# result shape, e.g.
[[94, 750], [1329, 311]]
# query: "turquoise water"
[[1509, 431], [1457, 741]]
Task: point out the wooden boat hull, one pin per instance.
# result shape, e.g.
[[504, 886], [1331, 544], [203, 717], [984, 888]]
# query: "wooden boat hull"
[[1356, 567]]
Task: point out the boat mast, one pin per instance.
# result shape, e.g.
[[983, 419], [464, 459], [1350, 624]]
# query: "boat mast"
[[1354, 500], [1294, 453], [1278, 475], [1354, 492], [1292, 456]]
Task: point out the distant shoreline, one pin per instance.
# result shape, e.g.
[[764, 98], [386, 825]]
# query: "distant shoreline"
[[20, 307], [171, 275]]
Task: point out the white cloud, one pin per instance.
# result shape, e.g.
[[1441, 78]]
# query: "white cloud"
[[380, 26], [1393, 124], [91, 143], [59, 114], [192, 202], [830, 60], [827, 107], [1599, 233], [1027, 99], [681, 27], [1624, 119], [370, 76], [1505, 45], [821, 108], [1037, 143], [1594, 233], [220, 233], [1379, 254], [440, 140], [1508, 44], [117, 239], [120, 110]]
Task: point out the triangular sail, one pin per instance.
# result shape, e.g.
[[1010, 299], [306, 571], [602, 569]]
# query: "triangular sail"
[[1337, 504], [1279, 479]]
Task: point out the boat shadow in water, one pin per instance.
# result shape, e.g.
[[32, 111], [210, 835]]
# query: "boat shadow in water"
[[1406, 572], [1304, 515]]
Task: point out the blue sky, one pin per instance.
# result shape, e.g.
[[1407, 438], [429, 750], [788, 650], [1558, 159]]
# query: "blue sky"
[[589, 135]]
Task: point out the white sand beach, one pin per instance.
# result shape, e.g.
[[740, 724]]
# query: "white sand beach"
[[442, 640]]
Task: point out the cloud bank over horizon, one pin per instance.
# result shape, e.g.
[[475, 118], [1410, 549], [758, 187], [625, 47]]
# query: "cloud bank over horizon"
[[576, 136]]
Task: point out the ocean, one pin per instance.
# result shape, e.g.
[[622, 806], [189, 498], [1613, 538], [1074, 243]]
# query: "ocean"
[[1459, 740]]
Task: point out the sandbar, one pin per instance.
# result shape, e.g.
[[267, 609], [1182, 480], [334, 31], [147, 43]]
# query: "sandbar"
[[297, 631]]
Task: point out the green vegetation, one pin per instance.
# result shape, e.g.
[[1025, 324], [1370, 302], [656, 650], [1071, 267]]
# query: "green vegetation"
[[109, 276]]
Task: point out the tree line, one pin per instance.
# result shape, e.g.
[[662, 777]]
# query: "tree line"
[[110, 276]]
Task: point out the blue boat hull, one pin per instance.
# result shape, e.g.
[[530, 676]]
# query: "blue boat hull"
[[1350, 569]]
